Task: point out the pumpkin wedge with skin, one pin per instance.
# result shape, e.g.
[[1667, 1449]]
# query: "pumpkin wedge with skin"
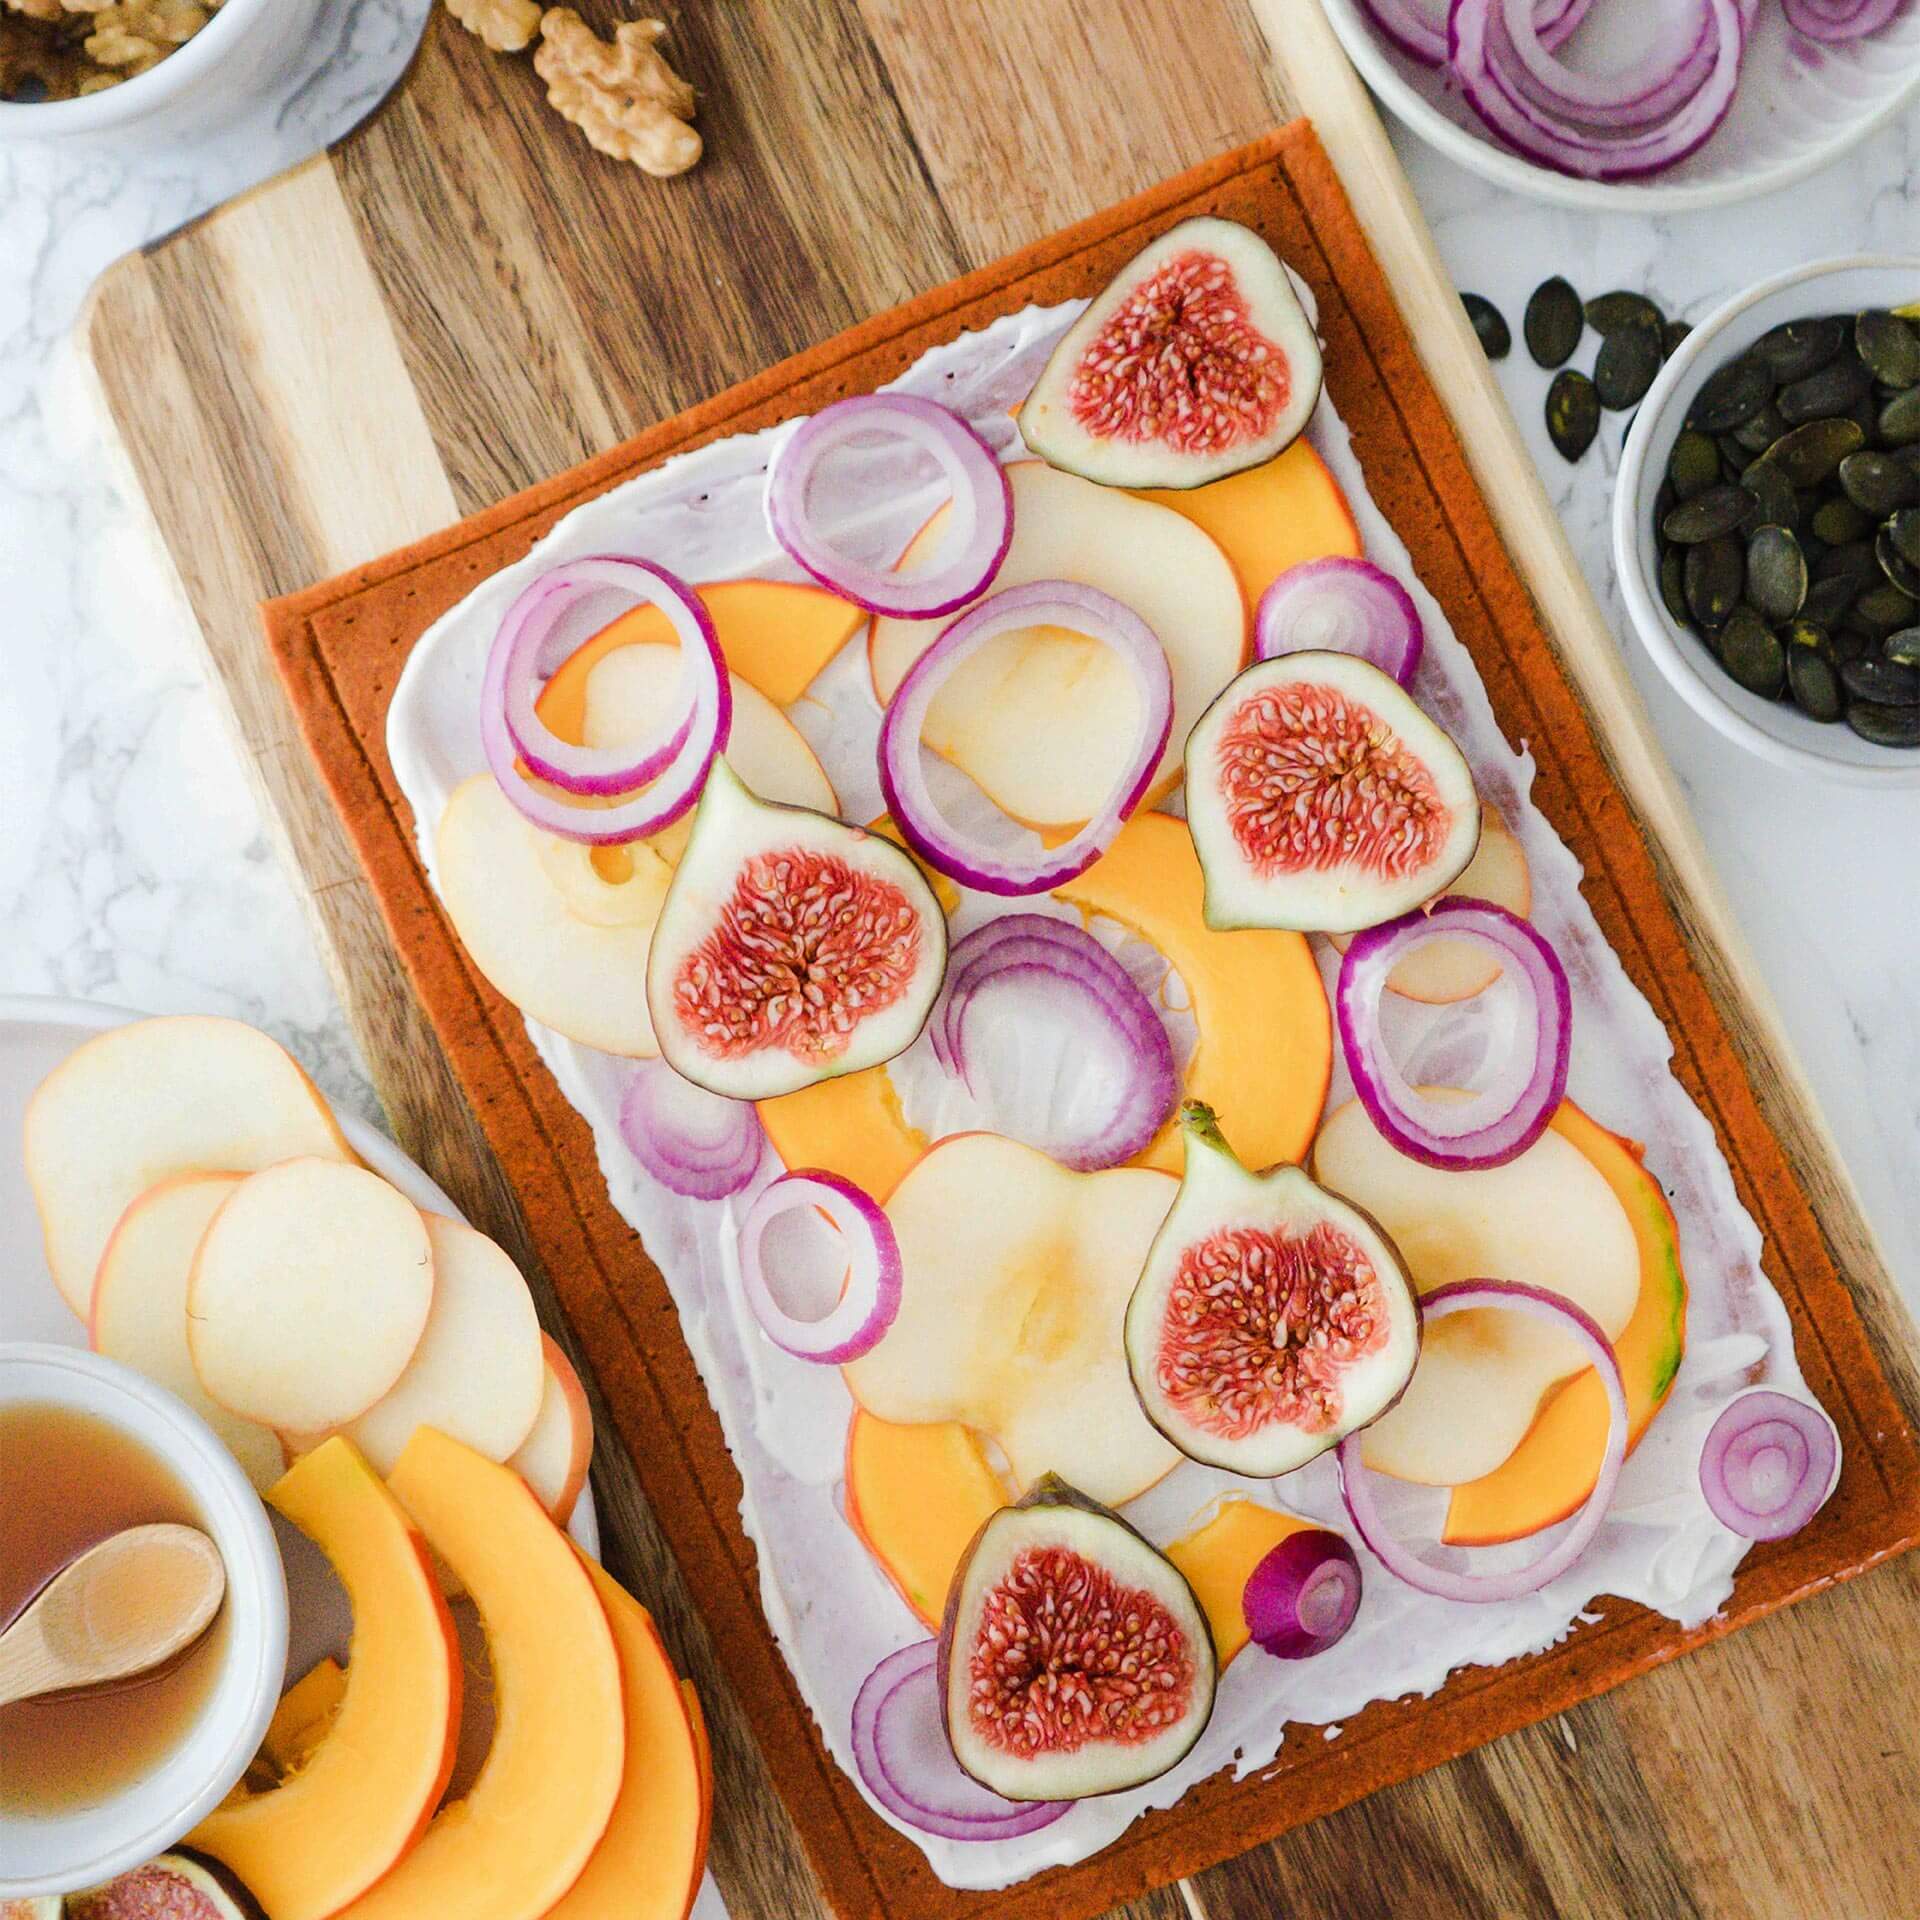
[[313, 1845], [526, 1830], [648, 1863]]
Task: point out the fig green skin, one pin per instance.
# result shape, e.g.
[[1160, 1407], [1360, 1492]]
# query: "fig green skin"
[[221, 1894], [1048, 1493], [1201, 1127]]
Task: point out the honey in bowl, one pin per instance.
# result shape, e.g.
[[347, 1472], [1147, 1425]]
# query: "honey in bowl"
[[67, 1480]]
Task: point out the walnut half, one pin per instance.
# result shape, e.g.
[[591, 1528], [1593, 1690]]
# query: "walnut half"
[[505, 25], [623, 96]]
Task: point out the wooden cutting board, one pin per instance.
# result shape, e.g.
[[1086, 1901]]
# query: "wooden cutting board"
[[459, 301]]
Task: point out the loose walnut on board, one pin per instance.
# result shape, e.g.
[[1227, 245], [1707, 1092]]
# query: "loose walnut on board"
[[622, 95], [505, 25]]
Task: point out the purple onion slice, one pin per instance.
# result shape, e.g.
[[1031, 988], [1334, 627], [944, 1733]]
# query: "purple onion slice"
[[695, 1143], [1769, 1464], [870, 1296], [1341, 606]]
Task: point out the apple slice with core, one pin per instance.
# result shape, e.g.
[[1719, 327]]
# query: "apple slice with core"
[[478, 1371], [1548, 1219], [999, 718], [1016, 1275], [126, 1109], [140, 1307], [309, 1292], [544, 1794], [554, 1458]]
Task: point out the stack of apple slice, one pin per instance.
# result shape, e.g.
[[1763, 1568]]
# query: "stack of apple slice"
[[206, 1217]]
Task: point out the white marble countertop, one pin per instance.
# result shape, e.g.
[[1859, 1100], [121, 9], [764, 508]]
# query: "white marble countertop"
[[133, 862]]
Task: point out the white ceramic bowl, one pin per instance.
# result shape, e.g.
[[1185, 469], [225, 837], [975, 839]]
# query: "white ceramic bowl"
[[1798, 108], [56, 1853], [204, 84], [1774, 729]]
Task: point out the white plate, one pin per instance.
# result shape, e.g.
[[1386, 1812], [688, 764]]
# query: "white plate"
[[36, 1034], [1798, 108]]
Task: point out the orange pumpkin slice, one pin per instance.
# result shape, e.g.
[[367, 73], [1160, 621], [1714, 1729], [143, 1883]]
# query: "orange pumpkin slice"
[[1219, 1557]]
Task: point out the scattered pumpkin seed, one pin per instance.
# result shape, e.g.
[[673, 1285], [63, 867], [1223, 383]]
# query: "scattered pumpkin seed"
[[1811, 453], [1573, 411], [1898, 423], [1496, 338], [1553, 322], [1694, 464], [1776, 573], [1797, 348], [1889, 346], [1721, 509], [1900, 571], [1714, 573], [1886, 681], [1751, 651], [1673, 584], [1614, 312], [1884, 726], [1729, 396], [1903, 647], [1842, 383], [1878, 483], [1672, 334], [1839, 522], [1625, 367], [1814, 684]]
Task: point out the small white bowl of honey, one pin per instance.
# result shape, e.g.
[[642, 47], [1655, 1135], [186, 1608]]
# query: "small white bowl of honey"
[[93, 1783]]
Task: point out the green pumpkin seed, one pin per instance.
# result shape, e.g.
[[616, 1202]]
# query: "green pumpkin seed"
[[1839, 522], [1730, 396], [1573, 413], [1838, 386], [1855, 560], [1898, 423], [1903, 648], [1884, 609], [1625, 368], [1797, 348], [1759, 433], [1885, 681], [1884, 726], [1614, 312], [1694, 464], [1714, 573], [1553, 324], [1673, 584], [1827, 600], [1814, 684], [1776, 573], [1900, 571], [1903, 531], [1672, 334], [1879, 483], [1850, 643], [1778, 503], [1751, 652], [1889, 346], [1722, 509], [1490, 324], [1811, 453]]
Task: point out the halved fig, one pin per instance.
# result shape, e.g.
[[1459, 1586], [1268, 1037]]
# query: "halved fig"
[[1272, 1319], [175, 1886], [1074, 1659], [791, 947], [1196, 361], [1321, 799]]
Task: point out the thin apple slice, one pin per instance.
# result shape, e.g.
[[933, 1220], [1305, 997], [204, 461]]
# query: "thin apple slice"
[[130, 1107], [308, 1295], [478, 1371], [1016, 1275], [1548, 1219], [1000, 718], [554, 1458], [140, 1307]]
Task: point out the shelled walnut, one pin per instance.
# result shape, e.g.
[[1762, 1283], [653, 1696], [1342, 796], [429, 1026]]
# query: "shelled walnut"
[[507, 26], [59, 49]]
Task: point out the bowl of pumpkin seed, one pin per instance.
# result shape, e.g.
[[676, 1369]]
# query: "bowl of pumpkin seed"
[[1766, 525]]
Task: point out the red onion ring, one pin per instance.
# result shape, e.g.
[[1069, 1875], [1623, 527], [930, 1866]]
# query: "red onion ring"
[[982, 527], [903, 781], [515, 662], [871, 1298], [1063, 971], [700, 1145], [1303, 1595], [902, 1755], [506, 710], [1501, 1122], [1834, 22], [1769, 1465], [1341, 606], [1356, 1479], [1484, 61], [1419, 27], [1640, 95]]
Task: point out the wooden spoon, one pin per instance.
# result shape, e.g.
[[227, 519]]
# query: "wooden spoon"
[[123, 1607]]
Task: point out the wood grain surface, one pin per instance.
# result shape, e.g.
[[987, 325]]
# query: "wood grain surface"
[[460, 300]]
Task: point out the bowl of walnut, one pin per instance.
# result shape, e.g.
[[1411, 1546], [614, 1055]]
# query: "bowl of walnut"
[[72, 67]]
